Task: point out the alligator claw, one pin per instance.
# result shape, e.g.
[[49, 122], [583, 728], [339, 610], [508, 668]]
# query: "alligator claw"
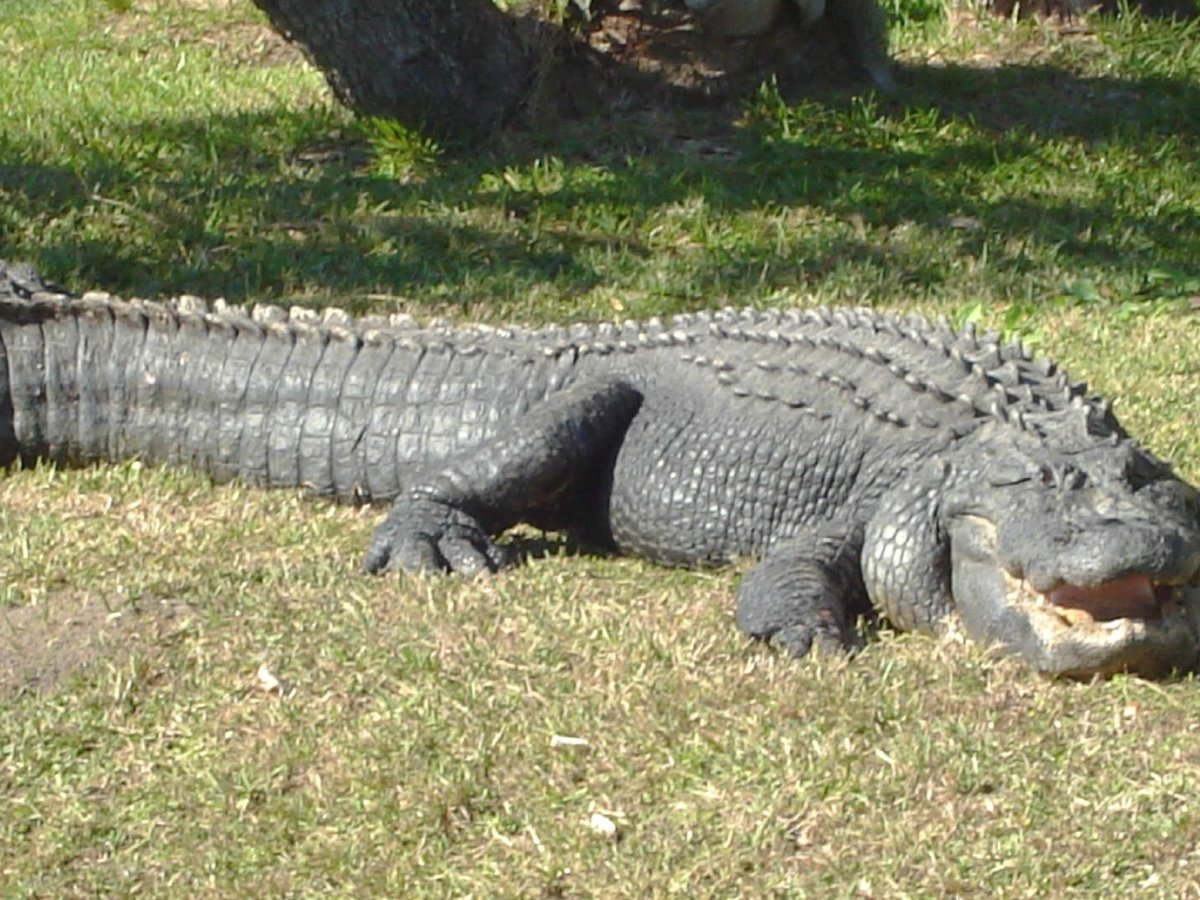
[[422, 535], [799, 640]]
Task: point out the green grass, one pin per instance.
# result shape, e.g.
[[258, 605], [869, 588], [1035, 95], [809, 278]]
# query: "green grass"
[[1041, 183], [158, 151]]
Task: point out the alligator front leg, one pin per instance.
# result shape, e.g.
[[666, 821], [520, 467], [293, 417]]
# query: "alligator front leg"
[[539, 469], [806, 592], [906, 554]]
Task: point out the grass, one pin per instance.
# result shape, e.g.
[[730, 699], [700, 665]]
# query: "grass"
[[1038, 182], [194, 161]]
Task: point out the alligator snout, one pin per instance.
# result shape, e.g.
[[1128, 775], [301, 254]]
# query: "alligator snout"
[[1143, 622]]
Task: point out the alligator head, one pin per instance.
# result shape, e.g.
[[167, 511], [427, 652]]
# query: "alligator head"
[[1080, 554]]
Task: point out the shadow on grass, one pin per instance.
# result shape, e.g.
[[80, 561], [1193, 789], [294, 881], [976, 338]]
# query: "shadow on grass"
[[276, 206]]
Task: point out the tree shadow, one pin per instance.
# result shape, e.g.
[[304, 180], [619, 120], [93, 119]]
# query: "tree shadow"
[[320, 220], [323, 222]]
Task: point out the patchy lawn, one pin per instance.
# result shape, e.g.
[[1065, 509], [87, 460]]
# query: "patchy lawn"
[[199, 692]]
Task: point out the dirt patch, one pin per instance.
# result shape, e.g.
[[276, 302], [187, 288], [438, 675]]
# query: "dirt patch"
[[666, 42], [45, 644], [235, 34], [251, 44]]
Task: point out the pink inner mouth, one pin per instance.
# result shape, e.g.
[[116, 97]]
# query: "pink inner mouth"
[[1131, 597]]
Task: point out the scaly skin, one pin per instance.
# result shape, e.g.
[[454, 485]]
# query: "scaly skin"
[[870, 462]]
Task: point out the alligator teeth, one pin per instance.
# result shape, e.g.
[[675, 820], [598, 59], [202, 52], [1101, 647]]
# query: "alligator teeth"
[[1075, 617], [1131, 597]]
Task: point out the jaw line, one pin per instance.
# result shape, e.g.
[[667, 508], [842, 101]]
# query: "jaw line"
[[1056, 620], [1128, 643], [1068, 641]]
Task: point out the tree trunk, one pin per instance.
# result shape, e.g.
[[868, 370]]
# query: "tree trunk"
[[451, 68]]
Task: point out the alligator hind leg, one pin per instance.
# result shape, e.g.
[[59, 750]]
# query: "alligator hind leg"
[[539, 470], [806, 592]]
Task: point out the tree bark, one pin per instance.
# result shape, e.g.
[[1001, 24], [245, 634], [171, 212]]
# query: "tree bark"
[[450, 68]]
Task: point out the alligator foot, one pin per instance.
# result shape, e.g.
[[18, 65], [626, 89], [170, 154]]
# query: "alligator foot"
[[541, 469], [421, 534], [806, 593]]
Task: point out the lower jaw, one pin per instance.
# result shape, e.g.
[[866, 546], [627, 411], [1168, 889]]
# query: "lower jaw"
[[1074, 643], [1153, 648]]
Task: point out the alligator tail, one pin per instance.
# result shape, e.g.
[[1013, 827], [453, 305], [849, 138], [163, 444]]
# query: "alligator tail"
[[273, 398]]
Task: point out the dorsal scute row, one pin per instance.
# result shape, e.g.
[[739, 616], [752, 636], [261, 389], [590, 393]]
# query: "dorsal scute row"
[[748, 324], [899, 369], [898, 361]]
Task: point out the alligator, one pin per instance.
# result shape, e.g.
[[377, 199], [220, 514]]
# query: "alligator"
[[874, 464]]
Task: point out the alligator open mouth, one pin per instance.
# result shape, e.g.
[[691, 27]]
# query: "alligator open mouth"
[[1146, 623], [1134, 609], [1131, 597]]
